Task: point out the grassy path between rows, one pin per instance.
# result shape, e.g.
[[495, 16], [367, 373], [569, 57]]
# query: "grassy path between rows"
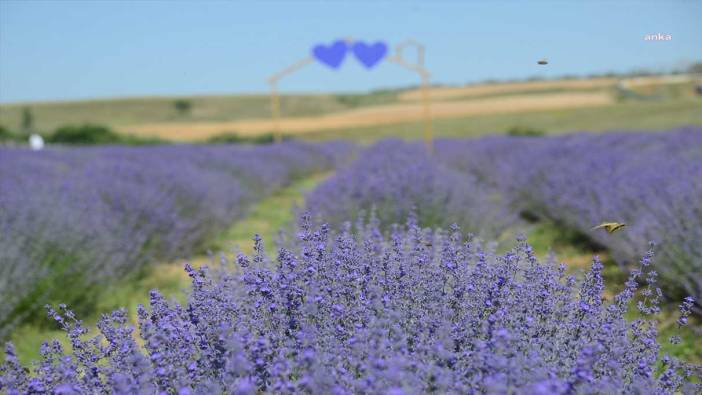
[[265, 218]]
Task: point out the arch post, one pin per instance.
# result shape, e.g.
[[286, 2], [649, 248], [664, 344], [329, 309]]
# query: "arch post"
[[275, 97], [275, 112], [426, 105], [424, 75]]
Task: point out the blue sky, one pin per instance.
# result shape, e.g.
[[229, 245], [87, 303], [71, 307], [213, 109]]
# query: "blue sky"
[[59, 50]]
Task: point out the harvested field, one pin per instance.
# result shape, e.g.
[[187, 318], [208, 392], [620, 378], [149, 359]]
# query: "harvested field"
[[377, 115]]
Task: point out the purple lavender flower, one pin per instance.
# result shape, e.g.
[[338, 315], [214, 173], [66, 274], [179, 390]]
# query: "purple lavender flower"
[[84, 216], [366, 312], [394, 179]]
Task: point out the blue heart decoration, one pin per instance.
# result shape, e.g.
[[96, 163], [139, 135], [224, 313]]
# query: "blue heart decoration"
[[331, 55], [369, 55]]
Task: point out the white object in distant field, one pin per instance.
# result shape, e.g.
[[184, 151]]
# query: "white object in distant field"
[[36, 142]]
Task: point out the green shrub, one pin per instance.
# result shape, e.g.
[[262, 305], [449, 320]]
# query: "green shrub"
[[84, 134], [10, 136], [182, 106], [6, 135], [91, 134], [524, 131]]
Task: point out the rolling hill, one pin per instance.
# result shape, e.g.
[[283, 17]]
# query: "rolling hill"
[[550, 106]]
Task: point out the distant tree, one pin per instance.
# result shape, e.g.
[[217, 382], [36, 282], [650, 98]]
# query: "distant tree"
[[182, 106], [524, 131], [695, 68], [27, 119]]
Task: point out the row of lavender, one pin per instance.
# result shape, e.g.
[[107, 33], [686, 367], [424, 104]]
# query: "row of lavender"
[[650, 181], [72, 219], [413, 311], [392, 180]]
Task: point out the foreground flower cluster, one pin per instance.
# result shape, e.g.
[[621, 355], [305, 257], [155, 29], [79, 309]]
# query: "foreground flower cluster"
[[416, 311]]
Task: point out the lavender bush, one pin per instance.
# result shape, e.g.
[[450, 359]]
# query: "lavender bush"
[[84, 216], [417, 311], [393, 179], [651, 181]]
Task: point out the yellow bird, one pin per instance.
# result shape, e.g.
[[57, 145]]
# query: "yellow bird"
[[610, 227]]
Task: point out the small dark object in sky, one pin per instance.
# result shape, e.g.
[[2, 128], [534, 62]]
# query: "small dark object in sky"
[[542, 61]]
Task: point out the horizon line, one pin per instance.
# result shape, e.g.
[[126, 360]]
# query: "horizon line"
[[488, 81]]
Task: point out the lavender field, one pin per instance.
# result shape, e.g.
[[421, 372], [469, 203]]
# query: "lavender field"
[[393, 179], [403, 276], [73, 219], [416, 311], [650, 181], [206, 197]]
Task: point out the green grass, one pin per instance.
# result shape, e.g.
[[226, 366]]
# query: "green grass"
[[266, 218], [118, 112], [629, 115], [676, 105]]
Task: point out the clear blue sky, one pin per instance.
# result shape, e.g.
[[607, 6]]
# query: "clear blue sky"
[[78, 49]]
